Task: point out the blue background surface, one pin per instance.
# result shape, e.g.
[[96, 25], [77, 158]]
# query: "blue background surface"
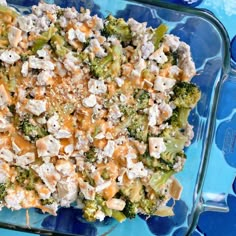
[[210, 223]]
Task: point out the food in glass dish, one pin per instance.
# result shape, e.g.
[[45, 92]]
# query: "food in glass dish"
[[93, 111]]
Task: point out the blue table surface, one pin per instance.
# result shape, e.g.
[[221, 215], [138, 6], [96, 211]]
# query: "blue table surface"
[[210, 223]]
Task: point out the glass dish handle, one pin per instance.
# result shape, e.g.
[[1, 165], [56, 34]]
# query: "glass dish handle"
[[222, 162]]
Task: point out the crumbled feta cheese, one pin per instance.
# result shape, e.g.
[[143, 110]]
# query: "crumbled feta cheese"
[[37, 63], [9, 57], [48, 174], [156, 146], [89, 101], [147, 49], [162, 84], [14, 36], [87, 190], [65, 167], [71, 34], [47, 146], [141, 65], [115, 204], [43, 191], [137, 170], [153, 115], [43, 78], [80, 36], [174, 71], [97, 86], [172, 41], [69, 149], [185, 61], [15, 147], [114, 112], [6, 155], [109, 148], [25, 159], [100, 215], [67, 191], [36, 107], [137, 27], [100, 135], [25, 23], [43, 53], [96, 48], [159, 56], [53, 124], [62, 133], [4, 171], [14, 198], [103, 186], [123, 98], [71, 63], [119, 81], [82, 141], [70, 13], [3, 2], [166, 111], [4, 124], [4, 96], [188, 132], [25, 68]]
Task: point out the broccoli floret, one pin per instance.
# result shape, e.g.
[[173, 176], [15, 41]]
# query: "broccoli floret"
[[174, 142], [47, 201], [186, 95], [127, 110], [154, 163], [3, 191], [26, 178], [57, 42], [179, 117], [91, 155], [138, 127], [108, 66], [131, 209], [33, 132], [148, 206], [89, 210], [117, 27], [142, 98]]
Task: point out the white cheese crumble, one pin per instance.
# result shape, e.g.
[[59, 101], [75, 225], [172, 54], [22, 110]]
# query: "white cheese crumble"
[[109, 148], [159, 56], [153, 115], [156, 146], [14, 36], [48, 146], [97, 86], [53, 124], [9, 57], [48, 174], [36, 107], [89, 101], [4, 96], [37, 63], [6, 155], [162, 84]]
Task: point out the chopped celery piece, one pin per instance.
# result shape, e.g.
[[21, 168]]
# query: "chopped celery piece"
[[158, 35]]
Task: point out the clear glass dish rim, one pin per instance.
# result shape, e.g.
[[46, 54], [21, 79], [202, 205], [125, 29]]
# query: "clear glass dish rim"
[[197, 208]]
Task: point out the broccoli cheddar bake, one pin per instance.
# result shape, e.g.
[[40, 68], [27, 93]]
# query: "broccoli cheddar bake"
[[92, 111]]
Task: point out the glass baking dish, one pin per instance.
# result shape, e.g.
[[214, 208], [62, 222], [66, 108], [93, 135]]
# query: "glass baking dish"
[[209, 170]]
